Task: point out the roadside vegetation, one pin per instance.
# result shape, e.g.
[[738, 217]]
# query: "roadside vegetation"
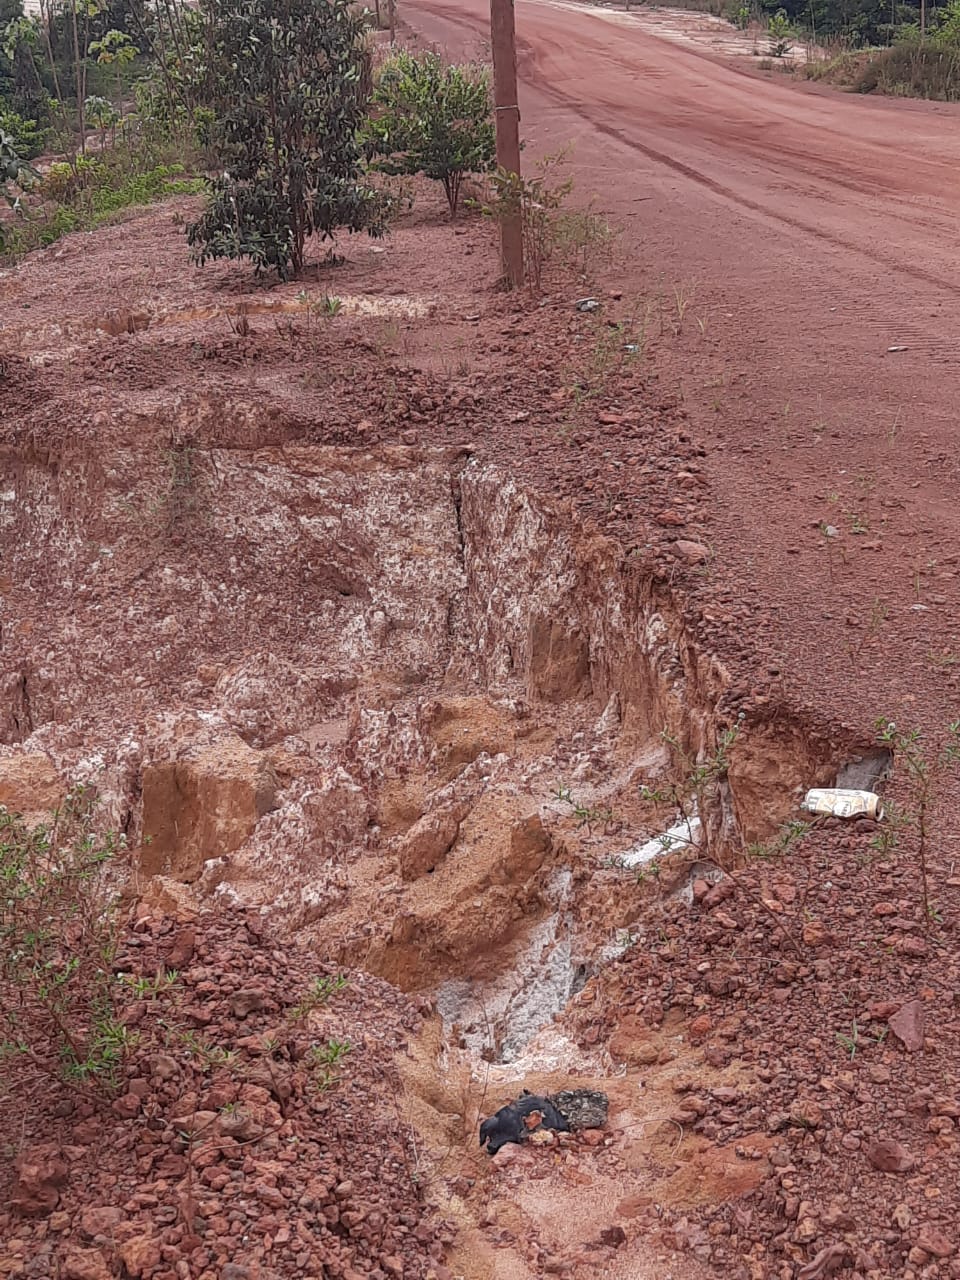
[[850, 23], [918, 68], [868, 46], [274, 113], [431, 119], [280, 116], [95, 115]]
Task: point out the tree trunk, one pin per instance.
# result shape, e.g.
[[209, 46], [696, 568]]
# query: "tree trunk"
[[45, 23], [79, 80]]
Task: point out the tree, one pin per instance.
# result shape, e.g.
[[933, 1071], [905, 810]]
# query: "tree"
[[433, 120], [285, 83], [781, 33], [20, 38], [115, 49], [80, 12]]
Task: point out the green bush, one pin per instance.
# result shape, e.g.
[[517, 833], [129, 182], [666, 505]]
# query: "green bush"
[[781, 34], [16, 176], [947, 32], [163, 121], [158, 183], [432, 119], [90, 191], [64, 182], [28, 138], [60, 223], [286, 86]]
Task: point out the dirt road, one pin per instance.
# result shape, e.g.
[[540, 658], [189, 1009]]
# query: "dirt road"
[[802, 233]]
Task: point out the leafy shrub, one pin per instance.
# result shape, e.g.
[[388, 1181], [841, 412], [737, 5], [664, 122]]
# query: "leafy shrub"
[[13, 164], [286, 89], [918, 68], [781, 33], [58, 1014], [552, 231], [63, 181], [947, 32], [162, 120], [158, 183], [27, 137], [102, 115], [432, 119], [842, 70], [60, 223], [88, 192], [15, 175]]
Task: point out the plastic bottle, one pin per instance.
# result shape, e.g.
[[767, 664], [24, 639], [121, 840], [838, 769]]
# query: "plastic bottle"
[[843, 804]]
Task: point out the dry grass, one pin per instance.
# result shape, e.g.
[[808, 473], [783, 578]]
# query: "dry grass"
[[912, 71], [842, 70]]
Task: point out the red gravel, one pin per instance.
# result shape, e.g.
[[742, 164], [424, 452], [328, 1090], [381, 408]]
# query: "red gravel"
[[225, 1154]]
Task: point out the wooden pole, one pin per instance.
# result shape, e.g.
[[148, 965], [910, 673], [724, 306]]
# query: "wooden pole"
[[507, 111]]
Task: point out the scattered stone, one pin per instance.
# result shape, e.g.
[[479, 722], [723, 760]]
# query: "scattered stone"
[[250, 1000], [907, 1025], [100, 1221], [932, 1240], [85, 1264], [141, 1254], [827, 1263], [911, 946], [720, 892], [127, 1106], [510, 1155], [889, 1156], [30, 786], [429, 841], [543, 1138], [700, 1028], [816, 934], [163, 1067], [39, 1175], [808, 1229], [181, 949], [613, 1237], [691, 552]]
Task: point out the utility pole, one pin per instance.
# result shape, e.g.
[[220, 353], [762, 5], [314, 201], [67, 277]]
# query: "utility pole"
[[503, 41]]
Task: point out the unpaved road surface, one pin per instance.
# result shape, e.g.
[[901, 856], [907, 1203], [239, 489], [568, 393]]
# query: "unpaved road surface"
[[804, 232]]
